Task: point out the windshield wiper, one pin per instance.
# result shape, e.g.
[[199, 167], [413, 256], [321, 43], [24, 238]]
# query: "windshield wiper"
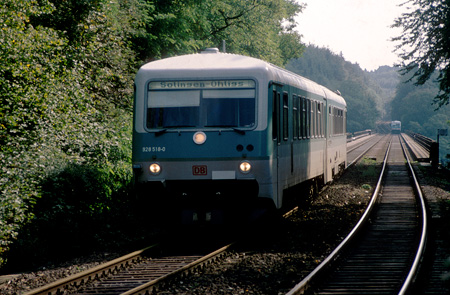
[[160, 132], [164, 130], [238, 130]]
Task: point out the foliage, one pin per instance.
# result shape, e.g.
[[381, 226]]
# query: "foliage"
[[332, 71], [62, 101], [387, 78], [413, 107], [66, 88], [262, 29], [81, 207], [425, 43]]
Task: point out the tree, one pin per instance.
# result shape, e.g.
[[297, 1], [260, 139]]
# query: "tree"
[[333, 72], [64, 97], [425, 43], [66, 85], [259, 28]]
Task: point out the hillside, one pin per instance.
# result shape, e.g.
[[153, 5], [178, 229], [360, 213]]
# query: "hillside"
[[365, 98], [387, 79]]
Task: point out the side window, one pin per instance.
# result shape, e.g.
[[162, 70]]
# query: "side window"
[[308, 118], [319, 118], [330, 119], [313, 119], [345, 122], [302, 117], [296, 115], [316, 133], [275, 112], [285, 116]]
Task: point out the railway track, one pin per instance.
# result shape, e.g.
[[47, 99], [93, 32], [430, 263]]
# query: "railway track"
[[381, 256], [128, 278], [140, 272], [361, 148]]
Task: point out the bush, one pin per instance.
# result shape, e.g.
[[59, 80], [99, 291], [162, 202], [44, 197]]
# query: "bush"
[[82, 208]]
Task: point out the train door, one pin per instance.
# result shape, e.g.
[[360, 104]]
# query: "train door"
[[326, 133], [277, 134]]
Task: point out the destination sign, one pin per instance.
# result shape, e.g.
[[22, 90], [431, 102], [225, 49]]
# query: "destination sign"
[[227, 84]]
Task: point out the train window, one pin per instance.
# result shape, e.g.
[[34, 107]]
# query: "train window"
[[303, 117], [308, 118], [166, 110], [229, 108], [316, 121], [275, 112], [332, 121], [285, 116], [345, 122], [320, 116], [319, 120], [323, 120], [338, 120], [296, 115], [313, 120], [230, 103]]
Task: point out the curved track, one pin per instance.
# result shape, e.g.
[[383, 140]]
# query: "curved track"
[[378, 263], [384, 256]]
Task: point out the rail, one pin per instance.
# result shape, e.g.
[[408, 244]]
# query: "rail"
[[358, 134], [414, 267], [90, 274], [428, 144], [125, 262], [305, 284], [410, 279]]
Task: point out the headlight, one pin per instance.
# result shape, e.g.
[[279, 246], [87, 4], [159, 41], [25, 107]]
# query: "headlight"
[[199, 137], [155, 168], [245, 167]]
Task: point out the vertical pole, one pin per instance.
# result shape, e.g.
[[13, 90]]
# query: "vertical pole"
[[434, 153]]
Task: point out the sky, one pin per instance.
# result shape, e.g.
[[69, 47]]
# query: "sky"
[[359, 29]]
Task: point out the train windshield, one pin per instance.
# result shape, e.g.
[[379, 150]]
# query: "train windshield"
[[199, 104]]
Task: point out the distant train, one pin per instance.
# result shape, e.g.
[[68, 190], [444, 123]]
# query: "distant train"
[[396, 127], [215, 133]]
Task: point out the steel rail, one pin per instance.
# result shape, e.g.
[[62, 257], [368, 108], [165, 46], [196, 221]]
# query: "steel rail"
[[360, 144], [301, 287], [90, 274], [410, 279], [362, 154], [148, 287], [109, 267]]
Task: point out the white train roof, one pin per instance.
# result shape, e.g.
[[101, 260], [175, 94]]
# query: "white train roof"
[[211, 60]]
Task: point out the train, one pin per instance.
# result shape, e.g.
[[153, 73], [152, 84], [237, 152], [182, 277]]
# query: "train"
[[396, 127], [220, 135]]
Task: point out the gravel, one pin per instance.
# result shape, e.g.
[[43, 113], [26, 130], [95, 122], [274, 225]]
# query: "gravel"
[[273, 258]]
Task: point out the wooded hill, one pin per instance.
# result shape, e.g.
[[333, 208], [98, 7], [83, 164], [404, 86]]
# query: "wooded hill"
[[380, 95]]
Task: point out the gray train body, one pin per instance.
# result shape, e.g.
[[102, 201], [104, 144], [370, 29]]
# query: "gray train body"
[[215, 129]]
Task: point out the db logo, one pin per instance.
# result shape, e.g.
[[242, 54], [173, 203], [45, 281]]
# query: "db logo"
[[199, 170]]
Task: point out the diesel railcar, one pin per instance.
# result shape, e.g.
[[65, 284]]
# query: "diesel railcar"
[[396, 127], [216, 131]]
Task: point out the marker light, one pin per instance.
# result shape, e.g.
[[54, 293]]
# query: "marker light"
[[245, 167], [155, 168], [199, 137]]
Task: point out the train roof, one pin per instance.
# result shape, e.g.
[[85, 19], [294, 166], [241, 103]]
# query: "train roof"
[[212, 59]]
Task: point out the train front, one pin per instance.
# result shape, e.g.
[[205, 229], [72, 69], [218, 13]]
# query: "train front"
[[196, 145]]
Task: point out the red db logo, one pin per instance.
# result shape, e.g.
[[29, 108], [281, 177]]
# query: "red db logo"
[[199, 170]]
